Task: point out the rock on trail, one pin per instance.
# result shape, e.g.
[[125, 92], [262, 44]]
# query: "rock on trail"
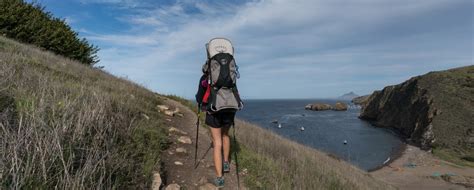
[[173, 186], [156, 181], [178, 169], [185, 140]]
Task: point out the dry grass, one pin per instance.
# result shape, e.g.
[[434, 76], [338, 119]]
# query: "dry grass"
[[64, 125], [274, 162]]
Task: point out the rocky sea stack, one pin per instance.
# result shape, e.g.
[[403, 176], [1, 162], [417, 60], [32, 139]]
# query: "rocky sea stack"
[[432, 110], [318, 107], [339, 106]]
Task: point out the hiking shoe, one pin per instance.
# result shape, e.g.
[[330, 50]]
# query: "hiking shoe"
[[226, 167], [219, 182]]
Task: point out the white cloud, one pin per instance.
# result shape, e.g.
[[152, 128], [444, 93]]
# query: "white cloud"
[[148, 21], [70, 20], [124, 40], [320, 40], [122, 3]]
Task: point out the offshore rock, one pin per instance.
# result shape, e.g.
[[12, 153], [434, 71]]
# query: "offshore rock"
[[320, 107], [340, 106]]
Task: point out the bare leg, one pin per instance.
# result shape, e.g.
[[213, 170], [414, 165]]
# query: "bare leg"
[[226, 143], [217, 141]]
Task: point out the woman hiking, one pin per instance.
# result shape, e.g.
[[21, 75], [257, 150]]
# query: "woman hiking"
[[218, 96]]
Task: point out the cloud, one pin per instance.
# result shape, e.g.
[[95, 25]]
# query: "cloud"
[[122, 3], [312, 44], [70, 20], [148, 21], [123, 40]]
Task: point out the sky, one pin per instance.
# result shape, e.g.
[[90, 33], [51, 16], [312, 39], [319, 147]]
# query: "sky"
[[284, 49]]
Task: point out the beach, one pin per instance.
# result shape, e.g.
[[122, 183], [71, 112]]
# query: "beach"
[[418, 169]]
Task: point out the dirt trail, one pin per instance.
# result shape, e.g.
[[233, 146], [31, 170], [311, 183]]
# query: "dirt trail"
[[418, 170], [185, 175]]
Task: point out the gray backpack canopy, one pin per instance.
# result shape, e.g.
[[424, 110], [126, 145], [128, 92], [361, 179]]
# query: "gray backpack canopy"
[[219, 45], [222, 72]]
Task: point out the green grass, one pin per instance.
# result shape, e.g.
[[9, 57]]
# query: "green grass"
[[262, 172], [454, 157], [66, 125]]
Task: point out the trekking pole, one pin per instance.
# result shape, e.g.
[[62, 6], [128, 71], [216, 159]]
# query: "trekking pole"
[[197, 135], [236, 160]]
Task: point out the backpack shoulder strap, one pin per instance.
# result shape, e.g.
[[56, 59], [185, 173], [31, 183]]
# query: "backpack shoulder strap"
[[209, 74]]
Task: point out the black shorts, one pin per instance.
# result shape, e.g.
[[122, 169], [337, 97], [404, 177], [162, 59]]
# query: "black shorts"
[[220, 119]]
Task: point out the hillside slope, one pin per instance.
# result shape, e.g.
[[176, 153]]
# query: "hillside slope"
[[295, 166], [269, 161], [65, 125], [435, 110], [69, 126]]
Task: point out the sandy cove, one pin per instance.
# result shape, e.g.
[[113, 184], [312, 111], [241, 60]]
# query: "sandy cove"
[[417, 169]]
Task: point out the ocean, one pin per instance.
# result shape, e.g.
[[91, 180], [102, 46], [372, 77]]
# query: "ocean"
[[367, 146]]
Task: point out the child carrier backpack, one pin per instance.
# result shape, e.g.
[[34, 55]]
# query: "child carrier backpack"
[[222, 74]]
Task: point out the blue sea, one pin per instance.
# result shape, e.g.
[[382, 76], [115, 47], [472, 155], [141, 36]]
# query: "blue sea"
[[367, 146]]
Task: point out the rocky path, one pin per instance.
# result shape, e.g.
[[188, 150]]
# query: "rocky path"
[[178, 159]]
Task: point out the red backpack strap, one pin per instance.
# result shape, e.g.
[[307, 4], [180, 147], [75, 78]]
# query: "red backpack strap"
[[206, 95]]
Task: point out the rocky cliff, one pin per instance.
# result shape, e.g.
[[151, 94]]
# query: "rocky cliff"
[[360, 100], [432, 110]]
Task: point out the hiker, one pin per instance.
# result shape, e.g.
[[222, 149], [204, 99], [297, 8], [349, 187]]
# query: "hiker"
[[218, 96]]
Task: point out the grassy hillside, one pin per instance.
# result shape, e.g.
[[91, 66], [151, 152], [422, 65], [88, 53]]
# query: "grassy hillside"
[[453, 95], [65, 125], [435, 110], [269, 161], [274, 162]]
